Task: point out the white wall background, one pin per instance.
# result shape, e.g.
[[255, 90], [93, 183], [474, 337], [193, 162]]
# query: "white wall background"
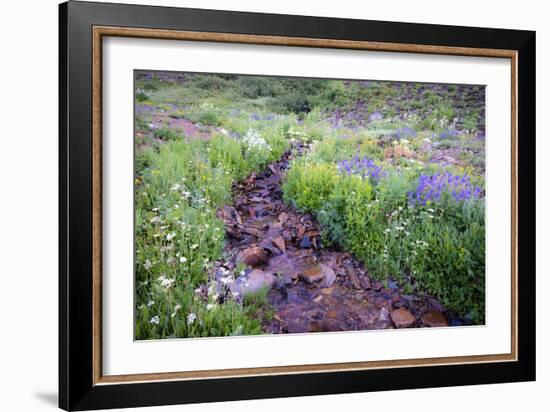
[[28, 203]]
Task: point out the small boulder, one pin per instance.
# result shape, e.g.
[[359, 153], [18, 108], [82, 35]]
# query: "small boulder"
[[318, 273], [434, 319], [252, 282], [305, 243], [280, 243], [313, 274], [254, 256], [402, 318], [384, 314], [330, 275]]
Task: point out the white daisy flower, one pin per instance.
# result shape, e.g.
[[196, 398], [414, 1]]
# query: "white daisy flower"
[[166, 282], [191, 318]]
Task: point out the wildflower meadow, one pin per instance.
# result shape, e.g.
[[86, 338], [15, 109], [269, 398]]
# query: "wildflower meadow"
[[267, 205]]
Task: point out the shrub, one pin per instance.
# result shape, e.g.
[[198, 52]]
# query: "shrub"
[[346, 214], [211, 82], [308, 185], [451, 262], [142, 95], [295, 103], [168, 133], [210, 118]]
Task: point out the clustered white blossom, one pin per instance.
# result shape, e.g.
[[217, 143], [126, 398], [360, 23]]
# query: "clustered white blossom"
[[191, 318], [166, 282], [176, 310], [254, 141]]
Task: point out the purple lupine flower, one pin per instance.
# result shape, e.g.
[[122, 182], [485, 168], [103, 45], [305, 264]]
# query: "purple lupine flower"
[[376, 116], [404, 133], [364, 167], [448, 134], [431, 188]]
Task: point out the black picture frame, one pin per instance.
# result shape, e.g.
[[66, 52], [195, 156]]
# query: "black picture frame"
[[77, 390]]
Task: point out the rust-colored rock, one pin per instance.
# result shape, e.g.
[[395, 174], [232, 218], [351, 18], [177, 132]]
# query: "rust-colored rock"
[[254, 256], [402, 318], [313, 274], [365, 282], [318, 273], [350, 270], [280, 243], [332, 314], [250, 230], [434, 319]]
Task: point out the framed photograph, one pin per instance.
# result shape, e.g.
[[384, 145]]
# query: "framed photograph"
[[257, 205]]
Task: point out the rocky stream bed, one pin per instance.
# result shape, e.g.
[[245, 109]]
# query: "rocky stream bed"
[[311, 288]]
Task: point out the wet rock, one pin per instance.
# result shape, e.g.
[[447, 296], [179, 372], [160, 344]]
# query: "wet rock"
[[280, 243], [318, 273], [402, 318], [293, 296], [365, 282], [268, 245], [376, 286], [330, 275], [254, 256], [350, 270], [384, 315], [252, 282], [251, 230], [313, 275], [297, 326], [283, 217], [305, 243], [434, 319], [285, 266]]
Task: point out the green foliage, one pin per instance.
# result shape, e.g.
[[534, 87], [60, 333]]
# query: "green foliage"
[[181, 314], [308, 185], [168, 133], [142, 96]]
